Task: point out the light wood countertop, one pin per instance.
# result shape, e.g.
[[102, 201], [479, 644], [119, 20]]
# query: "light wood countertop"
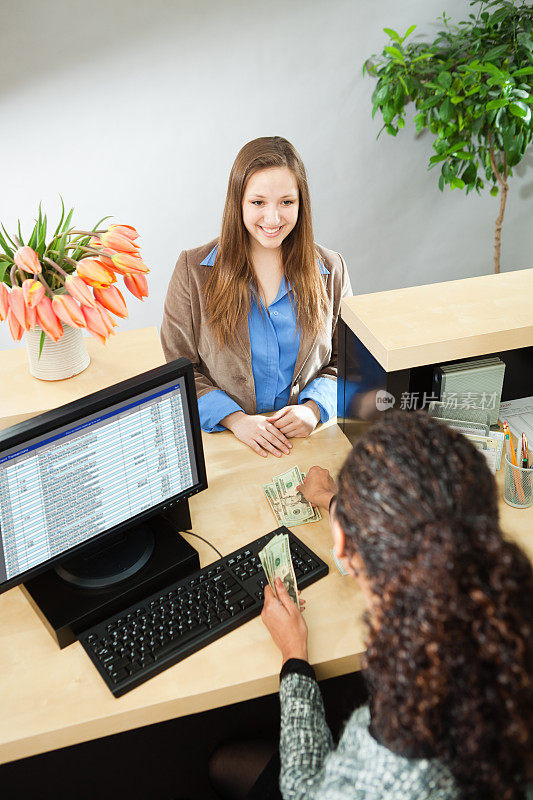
[[438, 322], [126, 354], [53, 698]]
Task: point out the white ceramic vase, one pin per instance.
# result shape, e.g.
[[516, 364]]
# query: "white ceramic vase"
[[58, 360]]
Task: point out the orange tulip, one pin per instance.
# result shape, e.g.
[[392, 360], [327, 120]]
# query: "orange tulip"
[[79, 290], [137, 285], [108, 320], [33, 292], [125, 230], [95, 324], [112, 299], [15, 328], [48, 319], [31, 317], [106, 260], [68, 310], [125, 264], [4, 301], [18, 306], [118, 242], [27, 259], [94, 273], [116, 267]]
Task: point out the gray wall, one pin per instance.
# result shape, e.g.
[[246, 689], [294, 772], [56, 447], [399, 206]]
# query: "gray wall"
[[138, 110]]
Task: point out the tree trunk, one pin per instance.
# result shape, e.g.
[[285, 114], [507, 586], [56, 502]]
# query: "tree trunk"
[[504, 188]]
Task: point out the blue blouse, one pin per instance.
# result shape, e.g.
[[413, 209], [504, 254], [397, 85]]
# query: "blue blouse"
[[274, 345]]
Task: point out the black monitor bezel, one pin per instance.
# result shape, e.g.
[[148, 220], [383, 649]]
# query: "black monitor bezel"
[[90, 404]]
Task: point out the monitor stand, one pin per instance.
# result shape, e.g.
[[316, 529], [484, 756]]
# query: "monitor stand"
[[106, 563], [111, 575]]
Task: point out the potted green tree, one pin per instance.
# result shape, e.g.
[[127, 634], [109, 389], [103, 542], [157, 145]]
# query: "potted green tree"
[[472, 89]]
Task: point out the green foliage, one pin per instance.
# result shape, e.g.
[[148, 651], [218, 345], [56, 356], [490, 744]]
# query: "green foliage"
[[472, 89], [64, 247]]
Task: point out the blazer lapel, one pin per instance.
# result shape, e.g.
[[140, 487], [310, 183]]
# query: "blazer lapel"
[[307, 341]]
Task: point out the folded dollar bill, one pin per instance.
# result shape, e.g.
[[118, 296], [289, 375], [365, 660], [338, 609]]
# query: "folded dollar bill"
[[288, 505], [276, 560]]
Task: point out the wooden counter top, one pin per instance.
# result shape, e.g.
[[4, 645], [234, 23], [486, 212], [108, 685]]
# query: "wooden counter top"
[[126, 354], [53, 698], [440, 322]]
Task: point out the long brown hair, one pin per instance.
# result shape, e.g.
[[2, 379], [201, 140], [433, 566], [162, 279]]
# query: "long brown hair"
[[449, 661], [227, 288]]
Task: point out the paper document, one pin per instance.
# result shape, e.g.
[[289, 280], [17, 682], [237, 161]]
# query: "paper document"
[[519, 415], [491, 447]]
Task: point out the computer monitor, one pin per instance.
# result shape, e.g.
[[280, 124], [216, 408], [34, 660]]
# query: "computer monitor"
[[82, 486]]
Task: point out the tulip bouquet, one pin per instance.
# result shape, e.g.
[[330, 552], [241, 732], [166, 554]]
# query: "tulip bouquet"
[[70, 280]]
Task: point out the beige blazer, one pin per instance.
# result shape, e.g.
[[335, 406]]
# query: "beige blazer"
[[185, 332]]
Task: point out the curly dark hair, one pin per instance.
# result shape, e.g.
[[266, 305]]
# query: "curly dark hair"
[[449, 662]]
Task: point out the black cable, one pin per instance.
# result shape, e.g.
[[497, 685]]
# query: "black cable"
[[190, 533]]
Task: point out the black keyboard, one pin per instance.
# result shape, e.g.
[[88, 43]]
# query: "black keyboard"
[[146, 638]]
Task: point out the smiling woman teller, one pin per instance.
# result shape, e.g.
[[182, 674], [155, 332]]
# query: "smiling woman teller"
[[256, 310]]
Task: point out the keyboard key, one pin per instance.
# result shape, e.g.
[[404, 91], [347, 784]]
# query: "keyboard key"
[[162, 652], [116, 677]]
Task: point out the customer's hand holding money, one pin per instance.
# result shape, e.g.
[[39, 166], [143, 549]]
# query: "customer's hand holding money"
[[318, 487], [288, 505], [276, 560], [285, 623]]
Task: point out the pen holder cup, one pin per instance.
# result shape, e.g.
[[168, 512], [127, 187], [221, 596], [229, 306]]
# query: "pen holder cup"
[[518, 485]]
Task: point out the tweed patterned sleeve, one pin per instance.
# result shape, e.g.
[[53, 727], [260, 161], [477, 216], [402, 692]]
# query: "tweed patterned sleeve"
[[360, 768], [305, 739]]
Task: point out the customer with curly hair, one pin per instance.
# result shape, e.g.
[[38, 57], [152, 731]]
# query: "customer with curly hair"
[[449, 659]]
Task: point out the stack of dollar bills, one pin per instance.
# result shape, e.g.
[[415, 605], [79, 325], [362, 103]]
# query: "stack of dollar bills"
[[288, 505], [277, 562]]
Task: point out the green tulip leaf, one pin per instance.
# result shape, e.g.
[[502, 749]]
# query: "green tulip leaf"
[[41, 344], [7, 249]]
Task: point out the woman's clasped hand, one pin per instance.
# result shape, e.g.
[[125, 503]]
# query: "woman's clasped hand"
[[257, 432], [271, 434], [298, 421]]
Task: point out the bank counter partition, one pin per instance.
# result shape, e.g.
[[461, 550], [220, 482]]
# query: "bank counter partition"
[[391, 342]]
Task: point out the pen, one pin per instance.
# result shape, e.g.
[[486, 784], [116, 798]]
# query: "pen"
[[511, 455], [525, 454]]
